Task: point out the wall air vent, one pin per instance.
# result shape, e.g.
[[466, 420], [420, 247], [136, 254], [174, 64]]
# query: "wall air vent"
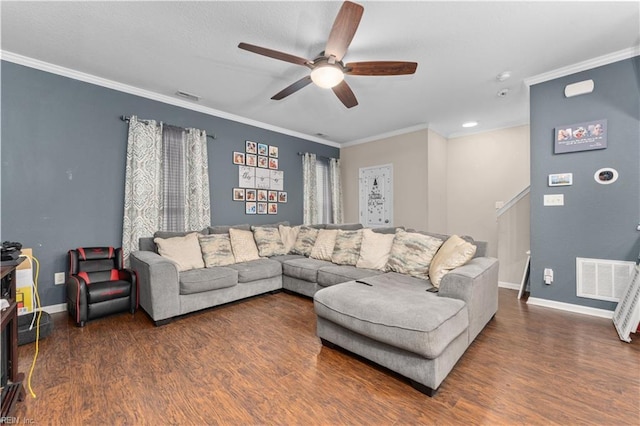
[[189, 96], [602, 279]]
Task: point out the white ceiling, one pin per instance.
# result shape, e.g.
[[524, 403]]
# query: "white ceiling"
[[460, 47]]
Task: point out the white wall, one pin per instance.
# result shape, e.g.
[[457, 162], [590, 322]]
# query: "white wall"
[[408, 154], [482, 169]]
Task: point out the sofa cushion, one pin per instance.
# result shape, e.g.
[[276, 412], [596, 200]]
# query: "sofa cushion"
[[336, 274], [411, 253], [347, 248], [184, 251], [257, 270], [325, 242], [216, 250], [243, 245], [344, 226], [286, 257], [206, 279], [305, 240], [304, 268], [397, 313], [288, 235], [224, 229], [453, 253], [268, 241], [375, 249]]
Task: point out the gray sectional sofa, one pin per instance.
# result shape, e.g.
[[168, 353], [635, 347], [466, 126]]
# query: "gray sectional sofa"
[[390, 318]]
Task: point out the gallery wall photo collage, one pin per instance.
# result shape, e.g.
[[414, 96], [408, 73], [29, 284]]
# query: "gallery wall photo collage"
[[260, 181]]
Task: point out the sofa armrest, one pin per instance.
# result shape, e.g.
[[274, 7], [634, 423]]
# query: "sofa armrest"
[[476, 283], [158, 284]]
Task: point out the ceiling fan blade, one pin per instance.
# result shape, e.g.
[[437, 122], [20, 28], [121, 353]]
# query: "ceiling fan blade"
[[273, 54], [343, 30], [292, 88], [381, 68], [345, 94]]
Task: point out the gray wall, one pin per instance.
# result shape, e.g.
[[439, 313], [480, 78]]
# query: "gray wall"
[[597, 221], [63, 161]]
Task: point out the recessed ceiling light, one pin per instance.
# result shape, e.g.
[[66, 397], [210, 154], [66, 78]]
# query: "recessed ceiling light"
[[470, 124], [505, 75], [503, 92]]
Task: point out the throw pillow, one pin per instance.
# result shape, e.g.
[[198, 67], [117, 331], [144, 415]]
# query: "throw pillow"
[[268, 241], [347, 248], [325, 242], [243, 245], [411, 253], [184, 251], [453, 253], [289, 234], [216, 250], [305, 240], [375, 249]]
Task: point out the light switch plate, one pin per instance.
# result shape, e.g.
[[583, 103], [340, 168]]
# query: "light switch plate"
[[554, 199]]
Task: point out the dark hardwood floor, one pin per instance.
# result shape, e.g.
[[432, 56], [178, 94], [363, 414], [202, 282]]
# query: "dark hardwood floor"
[[259, 362]]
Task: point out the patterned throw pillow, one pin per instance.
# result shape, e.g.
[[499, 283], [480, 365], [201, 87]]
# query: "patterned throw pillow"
[[323, 247], [216, 250], [288, 234], [243, 245], [347, 248], [411, 253], [268, 241], [305, 240], [453, 253], [185, 251], [375, 249]]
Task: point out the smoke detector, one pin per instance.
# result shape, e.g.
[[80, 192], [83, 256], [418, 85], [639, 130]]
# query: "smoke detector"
[[503, 76], [502, 92]]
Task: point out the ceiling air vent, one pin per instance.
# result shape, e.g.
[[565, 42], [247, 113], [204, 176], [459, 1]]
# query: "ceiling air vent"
[[189, 96]]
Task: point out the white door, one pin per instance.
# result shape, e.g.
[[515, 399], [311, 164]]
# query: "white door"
[[376, 196]]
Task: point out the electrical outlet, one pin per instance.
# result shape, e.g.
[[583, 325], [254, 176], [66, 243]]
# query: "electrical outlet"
[[58, 278]]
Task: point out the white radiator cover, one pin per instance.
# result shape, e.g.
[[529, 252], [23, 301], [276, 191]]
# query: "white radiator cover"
[[602, 279]]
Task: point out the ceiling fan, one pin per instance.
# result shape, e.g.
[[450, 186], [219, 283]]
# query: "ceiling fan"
[[328, 70]]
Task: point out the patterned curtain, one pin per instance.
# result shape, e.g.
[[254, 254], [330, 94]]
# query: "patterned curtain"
[[143, 183], [309, 190], [166, 183], [336, 190]]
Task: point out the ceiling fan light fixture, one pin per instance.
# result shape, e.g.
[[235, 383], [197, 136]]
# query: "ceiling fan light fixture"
[[327, 76]]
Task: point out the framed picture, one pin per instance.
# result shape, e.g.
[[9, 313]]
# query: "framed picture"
[[561, 179], [282, 197], [273, 196], [583, 136], [273, 163], [277, 180], [246, 177], [262, 196], [250, 207], [273, 208], [273, 151], [238, 158], [263, 161], [262, 208], [250, 195], [238, 194], [251, 147], [251, 160], [263, 149]]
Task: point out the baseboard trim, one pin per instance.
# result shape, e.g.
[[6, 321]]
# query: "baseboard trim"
[[569, 307], [54, 309], [510, 286]]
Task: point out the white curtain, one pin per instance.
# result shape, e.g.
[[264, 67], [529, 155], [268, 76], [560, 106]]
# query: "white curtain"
[[166, 183], [309, 190], [143, 183], [336, 190]]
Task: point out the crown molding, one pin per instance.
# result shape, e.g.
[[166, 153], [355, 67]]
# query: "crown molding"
[[132, 90], [610, 58], [391, 134]]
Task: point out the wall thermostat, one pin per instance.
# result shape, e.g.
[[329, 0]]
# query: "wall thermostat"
[[606, 176]]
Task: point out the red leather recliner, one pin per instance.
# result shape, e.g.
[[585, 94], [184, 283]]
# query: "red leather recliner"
[[98, 285]]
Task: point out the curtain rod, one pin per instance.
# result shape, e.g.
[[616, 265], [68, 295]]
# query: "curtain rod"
[[127, 118], [317, 156]]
